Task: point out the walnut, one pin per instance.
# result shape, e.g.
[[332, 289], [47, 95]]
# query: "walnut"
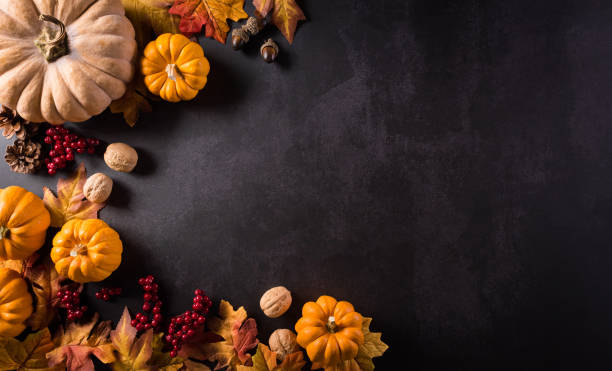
[[121, 157], [283, 342], [275, 302], [98, 187]]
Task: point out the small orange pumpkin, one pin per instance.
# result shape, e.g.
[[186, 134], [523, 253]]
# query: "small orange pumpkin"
[[86, 250], [330, 331], [15, 303], [23, 223]]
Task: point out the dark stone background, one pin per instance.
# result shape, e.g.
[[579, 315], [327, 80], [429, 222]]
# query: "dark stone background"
[[444, 165]]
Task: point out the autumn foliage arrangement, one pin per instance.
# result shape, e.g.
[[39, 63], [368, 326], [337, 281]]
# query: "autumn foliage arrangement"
[[44, 325]]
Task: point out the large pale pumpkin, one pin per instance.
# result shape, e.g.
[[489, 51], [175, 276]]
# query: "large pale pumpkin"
[[330, 331], [15, 303], [63, 60], [86, 250], [174, 67], [23, 223]]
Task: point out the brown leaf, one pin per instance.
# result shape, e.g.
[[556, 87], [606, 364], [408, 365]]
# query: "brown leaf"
[[78, 342], [195, 366], [285, 15], [212, 14], [45, 284], [194, 348], [131, 104], [70, 202], [244, 337]]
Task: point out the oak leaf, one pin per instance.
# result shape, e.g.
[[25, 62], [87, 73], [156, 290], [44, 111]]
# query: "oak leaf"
[[211, 14], [285, 15], [28, 354], [133, 354], [78, 342], [265, 360], [223, 351], [70, 202]]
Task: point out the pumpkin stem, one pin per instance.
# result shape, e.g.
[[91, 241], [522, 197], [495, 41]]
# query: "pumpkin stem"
[[78, 249], [4, 232], [331, 324], [52, 44], [173, 72]]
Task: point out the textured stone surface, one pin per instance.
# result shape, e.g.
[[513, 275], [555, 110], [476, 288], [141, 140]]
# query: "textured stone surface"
[[444, 165]]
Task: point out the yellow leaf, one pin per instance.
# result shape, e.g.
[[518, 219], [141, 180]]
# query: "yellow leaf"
[[133, 354], [285, 15], [148, 17], [195, 366], [223, 352], [372, 346], [70, 202], [26, 355], [78, 342]]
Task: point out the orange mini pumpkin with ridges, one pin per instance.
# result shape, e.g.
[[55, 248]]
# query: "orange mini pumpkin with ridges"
[[23, 223], [86, 250], [330, 331], [15, 303], [174, 67]]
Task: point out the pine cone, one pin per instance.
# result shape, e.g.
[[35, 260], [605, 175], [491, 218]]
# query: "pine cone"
[[23, 156], [13, 124]]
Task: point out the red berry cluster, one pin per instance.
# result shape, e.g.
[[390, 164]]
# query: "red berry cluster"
[[151, 304], [184, 326], [65, 146], [106, 293], [71, 300]]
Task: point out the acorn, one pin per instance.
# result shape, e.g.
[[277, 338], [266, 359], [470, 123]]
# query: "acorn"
[[269, 51]]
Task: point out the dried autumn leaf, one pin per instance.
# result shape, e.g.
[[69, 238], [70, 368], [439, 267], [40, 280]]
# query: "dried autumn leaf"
[[213, 14], [70, 202], [161, 360], [244, 337], [372, 346], [195, 366], [45, 284], [132, 103], [223, 351], [285, 15], [28, 354], [194, 348], [78, 342], [16, 265], [132, 354], [265, 360], [150, 17]]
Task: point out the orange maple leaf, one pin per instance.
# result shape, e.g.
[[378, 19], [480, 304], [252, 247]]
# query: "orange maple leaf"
[[285, 15], [70, 202], [195, 14]]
